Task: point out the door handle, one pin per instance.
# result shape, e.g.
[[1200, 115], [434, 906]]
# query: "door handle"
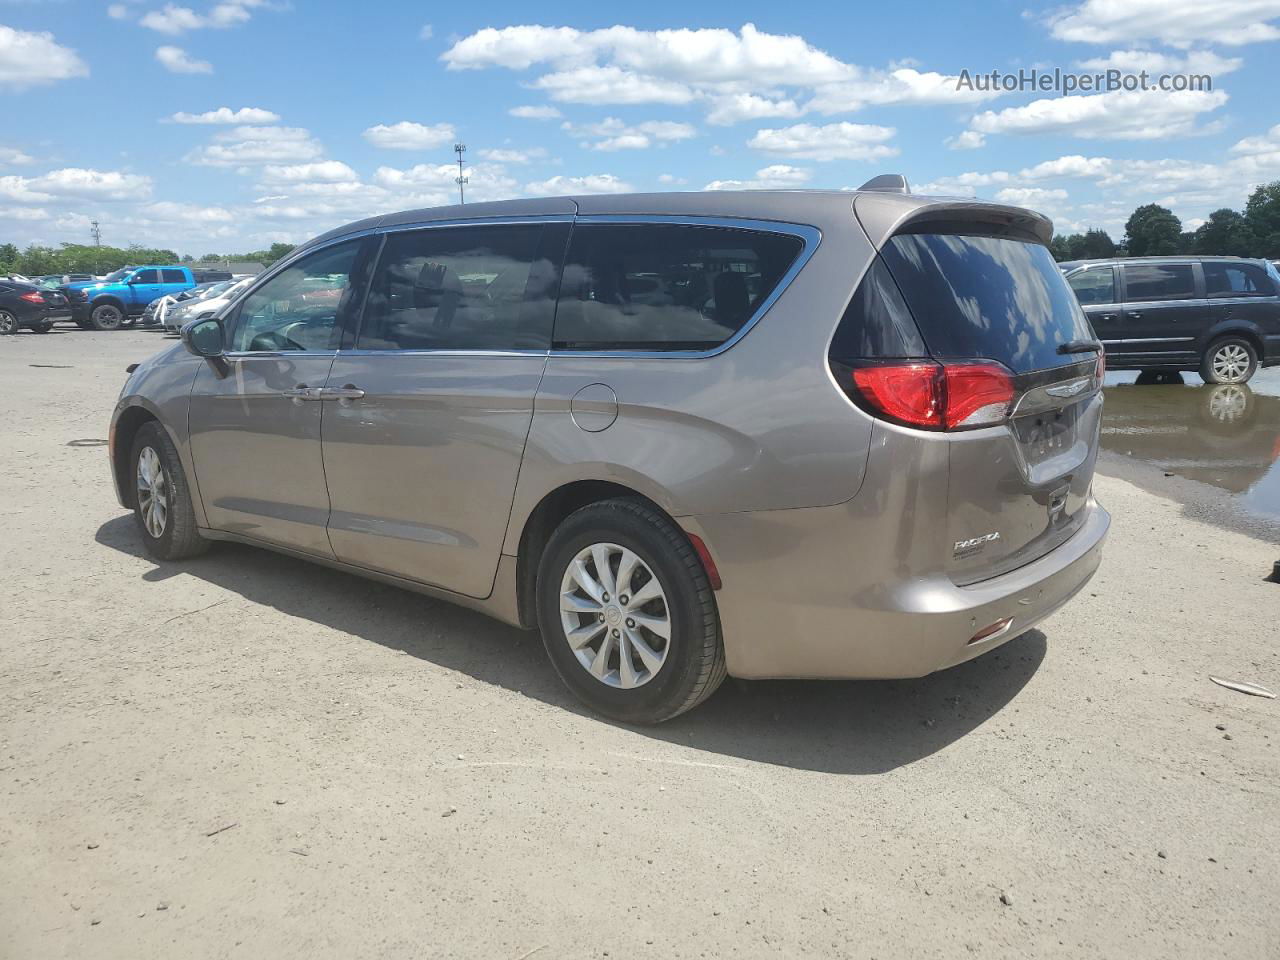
[[1132, 315], [301, 392], [345, 393], [1107, 316]]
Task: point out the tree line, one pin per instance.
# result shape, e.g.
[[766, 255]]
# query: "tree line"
[[37, 260], [1155, 231]]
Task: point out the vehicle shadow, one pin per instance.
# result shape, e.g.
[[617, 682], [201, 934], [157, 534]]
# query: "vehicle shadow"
[[846, 727]]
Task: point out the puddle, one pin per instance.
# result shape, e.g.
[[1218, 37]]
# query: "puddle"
[[1227, 436]]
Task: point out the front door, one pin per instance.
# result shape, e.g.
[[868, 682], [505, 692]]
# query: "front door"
[[144, 286], [1163, 314], [426, 419], [255, 432], [1095, 288]]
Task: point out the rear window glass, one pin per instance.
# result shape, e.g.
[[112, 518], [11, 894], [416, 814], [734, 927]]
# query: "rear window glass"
[[174, 276], [1158, 281], [1236, 280], [665, 287], [877, 322], [987, 298], [1094, 286]]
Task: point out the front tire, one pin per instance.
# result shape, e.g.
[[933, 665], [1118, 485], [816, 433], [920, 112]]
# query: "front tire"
[[106, 316], [1229, 360], [162, 497], [43, 327], [627, 614]]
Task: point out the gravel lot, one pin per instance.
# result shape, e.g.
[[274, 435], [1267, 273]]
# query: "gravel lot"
[[247, 755]]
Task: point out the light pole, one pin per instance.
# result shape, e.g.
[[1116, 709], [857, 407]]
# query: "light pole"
[[460, 179]]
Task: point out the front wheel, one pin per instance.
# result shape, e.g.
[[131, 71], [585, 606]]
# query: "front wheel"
[[43, 327], [8, 324], [162, 499], [627, 614], [1229, 360], [106, 316]]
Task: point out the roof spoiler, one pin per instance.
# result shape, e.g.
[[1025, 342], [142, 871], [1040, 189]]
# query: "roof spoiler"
[[887, 183]]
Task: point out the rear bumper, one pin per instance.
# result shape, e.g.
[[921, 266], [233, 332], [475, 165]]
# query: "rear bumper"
[[794, 604]]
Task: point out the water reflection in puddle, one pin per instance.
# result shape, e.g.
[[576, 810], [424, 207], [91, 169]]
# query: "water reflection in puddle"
[[1224, 435]]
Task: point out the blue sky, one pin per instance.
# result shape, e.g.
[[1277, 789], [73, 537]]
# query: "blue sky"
[[222, 126]]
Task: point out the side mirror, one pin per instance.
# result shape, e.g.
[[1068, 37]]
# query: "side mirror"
[[204, 338]]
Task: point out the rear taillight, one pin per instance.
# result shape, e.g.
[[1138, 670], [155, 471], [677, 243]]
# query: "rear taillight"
[[955, 395], [32, 297]]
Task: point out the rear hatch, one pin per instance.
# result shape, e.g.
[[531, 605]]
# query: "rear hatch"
[[988, 351]]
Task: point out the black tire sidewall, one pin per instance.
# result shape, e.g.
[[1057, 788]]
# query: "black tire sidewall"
[[181, 538], [665, 694], [8, 329], [96, 324], [1206, 365]]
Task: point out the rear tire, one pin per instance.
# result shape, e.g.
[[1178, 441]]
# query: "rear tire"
[[106, 316], [1229, 360], [8, 324], [648, 555], [44, 327], [162, 498]]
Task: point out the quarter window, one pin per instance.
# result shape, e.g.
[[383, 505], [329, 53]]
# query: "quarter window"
[[665, 286], [1094, 286], [1236, 280], [298, 308], [1158, 281], [465, 288]]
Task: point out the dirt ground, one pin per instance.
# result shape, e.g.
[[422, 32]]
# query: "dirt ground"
[[249, 756]]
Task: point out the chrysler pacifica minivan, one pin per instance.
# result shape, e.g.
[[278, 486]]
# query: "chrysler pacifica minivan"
[[762, 434]]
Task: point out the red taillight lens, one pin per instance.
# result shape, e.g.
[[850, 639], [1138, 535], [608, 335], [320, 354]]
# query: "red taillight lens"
[[937, 396], [32, 297], [978, 394], [910, 393]]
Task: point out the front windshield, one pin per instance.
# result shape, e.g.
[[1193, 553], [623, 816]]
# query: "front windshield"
[[116, 275], [212, 290]]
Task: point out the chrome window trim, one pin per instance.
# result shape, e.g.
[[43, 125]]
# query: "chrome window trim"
[[477, 222], [1153, 340], [809, 235]]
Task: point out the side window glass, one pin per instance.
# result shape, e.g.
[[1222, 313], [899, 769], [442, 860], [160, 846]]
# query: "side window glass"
[[1158, 281], [463, 288], [665, 287], [1094, 286], [298, 308], [1236, 280], [173, 276], [146, 276]]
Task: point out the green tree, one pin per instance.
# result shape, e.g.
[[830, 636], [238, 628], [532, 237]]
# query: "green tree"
[[1152, 231], [1262, 216], [1225, 233], [1096, 244]]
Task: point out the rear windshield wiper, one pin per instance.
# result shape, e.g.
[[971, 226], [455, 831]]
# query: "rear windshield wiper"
[[1080, 346]]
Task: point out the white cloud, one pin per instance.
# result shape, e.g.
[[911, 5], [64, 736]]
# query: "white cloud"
[[1123, 115], [14, 157], [671, 179], [748, 75], [168, 211], [177, 60], [778, 176], [518, 157], [1030, 196], [613, 134], [570, 186], [1268, 142], [1070, 166], [432, 184], [247, 115], [1178, 23], [76, 182], [1136, 61], [327, 171], [23, 213], [834, 141], [407, 135], [31, 59], [118, 11], [252, 146], [535, 113], [427, 32], [173, 19], [966, 140]]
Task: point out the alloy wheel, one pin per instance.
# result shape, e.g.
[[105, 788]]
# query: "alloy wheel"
[[153, 492], [615, 615], [8, 323], [1231, 363]]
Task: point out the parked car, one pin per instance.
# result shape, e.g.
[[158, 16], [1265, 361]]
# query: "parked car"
[[157, 310], [24, 305], [1219, 316], [874, 465], [109, 304], [215, 299]]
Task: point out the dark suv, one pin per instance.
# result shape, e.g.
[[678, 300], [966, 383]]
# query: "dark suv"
[[1217, 315]]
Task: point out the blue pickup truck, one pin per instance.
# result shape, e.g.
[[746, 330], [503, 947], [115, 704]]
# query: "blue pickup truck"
[[110, 303]]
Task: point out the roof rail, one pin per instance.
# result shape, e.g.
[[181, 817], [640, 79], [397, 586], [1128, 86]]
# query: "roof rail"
[[887, 183]]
